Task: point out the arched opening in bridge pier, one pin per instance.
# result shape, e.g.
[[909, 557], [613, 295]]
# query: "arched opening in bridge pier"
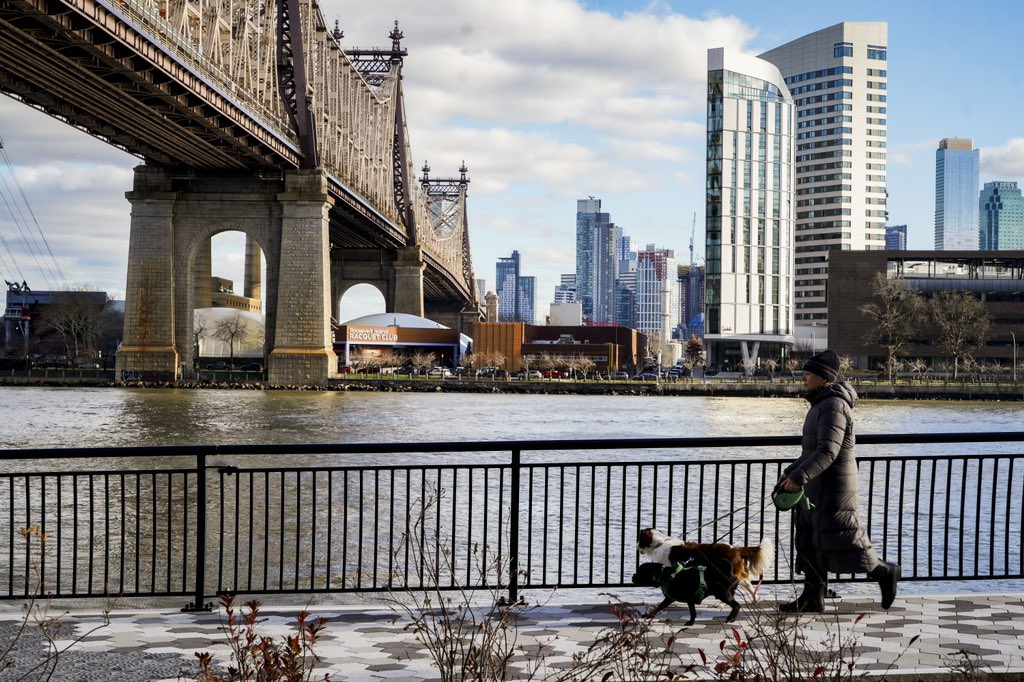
[[229, 318], [360, 300]]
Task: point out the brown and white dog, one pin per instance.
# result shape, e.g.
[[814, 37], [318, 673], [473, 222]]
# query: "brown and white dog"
[[746, 561]]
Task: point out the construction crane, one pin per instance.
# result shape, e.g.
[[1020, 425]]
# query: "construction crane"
[[693, 230]]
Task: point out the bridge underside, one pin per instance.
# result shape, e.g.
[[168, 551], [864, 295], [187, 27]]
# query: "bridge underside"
[[219, 158], [94, 71]]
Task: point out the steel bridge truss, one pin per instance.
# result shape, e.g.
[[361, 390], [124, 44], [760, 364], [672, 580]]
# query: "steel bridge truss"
[[233, 85]]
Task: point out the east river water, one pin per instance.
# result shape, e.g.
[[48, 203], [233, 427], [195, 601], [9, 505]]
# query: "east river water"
[[87, 417]]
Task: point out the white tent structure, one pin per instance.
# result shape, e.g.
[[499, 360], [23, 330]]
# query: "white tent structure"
[[248, 344]]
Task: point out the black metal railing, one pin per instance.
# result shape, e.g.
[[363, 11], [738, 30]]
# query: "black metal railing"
[[198, 521]]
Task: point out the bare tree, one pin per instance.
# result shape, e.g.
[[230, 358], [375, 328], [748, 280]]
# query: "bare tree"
[[199, 332], [845, 365], [76, 316], [896, 313], [388, 359], [584, 364], [525, 362], [962, 324], [231, 330], [421, 359], [918, 366], [496, 358], [772, 365], [547, 362]]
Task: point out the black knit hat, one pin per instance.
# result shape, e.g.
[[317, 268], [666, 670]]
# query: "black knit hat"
[[825, 364]]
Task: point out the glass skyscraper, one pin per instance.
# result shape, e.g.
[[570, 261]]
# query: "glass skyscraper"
[[749, 214], [838, 79], [895, 237], [516, 294], [956, 195], [597, 248], [1001, 208]]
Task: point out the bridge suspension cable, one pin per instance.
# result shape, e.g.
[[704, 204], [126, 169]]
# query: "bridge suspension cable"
[[38, 248]]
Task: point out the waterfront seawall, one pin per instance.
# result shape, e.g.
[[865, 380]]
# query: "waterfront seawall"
[[715, 387]]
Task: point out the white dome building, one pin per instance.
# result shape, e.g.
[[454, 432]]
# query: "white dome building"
[[248, 340], [379, 332]]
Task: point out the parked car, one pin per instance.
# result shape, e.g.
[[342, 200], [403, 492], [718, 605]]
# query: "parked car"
[[346, 369], [252, 367], [534, 374], [646, 376], [500, 374], [219, 365], [619, 376], [554, 374], [440, 372], [89, 365]]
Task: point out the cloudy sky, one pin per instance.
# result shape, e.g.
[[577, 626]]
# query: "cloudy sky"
[[549, 101]]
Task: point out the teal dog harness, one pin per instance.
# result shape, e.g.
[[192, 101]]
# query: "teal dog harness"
[[667, 578]]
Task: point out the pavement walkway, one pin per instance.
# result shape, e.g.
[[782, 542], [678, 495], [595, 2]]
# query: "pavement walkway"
[[921, 637]]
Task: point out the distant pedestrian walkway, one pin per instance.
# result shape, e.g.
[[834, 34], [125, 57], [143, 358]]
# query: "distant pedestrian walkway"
[[921, 637]]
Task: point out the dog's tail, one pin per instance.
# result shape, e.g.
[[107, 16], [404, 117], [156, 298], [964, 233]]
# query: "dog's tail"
[[759, 558]]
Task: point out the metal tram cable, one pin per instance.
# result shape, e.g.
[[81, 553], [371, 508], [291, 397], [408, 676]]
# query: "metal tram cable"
[[37, 248]]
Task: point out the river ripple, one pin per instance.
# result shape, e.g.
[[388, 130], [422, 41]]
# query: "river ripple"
[[88, 417]]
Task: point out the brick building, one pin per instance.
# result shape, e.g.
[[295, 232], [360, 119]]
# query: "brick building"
[[611, 348]]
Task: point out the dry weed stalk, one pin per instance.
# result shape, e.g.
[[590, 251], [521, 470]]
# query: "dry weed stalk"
[[38, 612], [467, 637], [767, 646]]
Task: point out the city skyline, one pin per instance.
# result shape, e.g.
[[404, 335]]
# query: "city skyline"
[[544, 115]]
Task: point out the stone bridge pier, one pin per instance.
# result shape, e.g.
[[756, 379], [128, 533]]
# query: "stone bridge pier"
[[174, 215]]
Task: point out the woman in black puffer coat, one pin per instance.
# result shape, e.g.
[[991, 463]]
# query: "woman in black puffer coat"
[[828, 535]]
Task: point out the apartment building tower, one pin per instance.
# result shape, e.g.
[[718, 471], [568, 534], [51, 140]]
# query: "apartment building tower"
[[516, 293], [657, 295], [597, 249], [838, 80], [749, 210]]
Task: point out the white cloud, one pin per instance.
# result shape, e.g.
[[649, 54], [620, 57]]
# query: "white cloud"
[[1004, 162], [545, 101]]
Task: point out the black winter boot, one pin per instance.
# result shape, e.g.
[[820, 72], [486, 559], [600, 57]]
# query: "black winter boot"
[[811, 600], [886, 574]]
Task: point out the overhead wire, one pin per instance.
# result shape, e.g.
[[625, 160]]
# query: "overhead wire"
[[52, 272]]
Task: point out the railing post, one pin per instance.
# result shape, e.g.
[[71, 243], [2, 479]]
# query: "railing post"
[[197, 604], [513, 540]]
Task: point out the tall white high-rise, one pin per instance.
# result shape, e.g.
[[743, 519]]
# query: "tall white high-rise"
[[657, 295], [838, 79], [749, 214]]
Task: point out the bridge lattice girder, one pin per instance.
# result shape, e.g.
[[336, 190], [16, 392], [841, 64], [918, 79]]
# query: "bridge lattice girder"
[[194, 84]]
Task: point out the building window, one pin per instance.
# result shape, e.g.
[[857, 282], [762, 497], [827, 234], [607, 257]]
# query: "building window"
[[844, 50], [876, 52]]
